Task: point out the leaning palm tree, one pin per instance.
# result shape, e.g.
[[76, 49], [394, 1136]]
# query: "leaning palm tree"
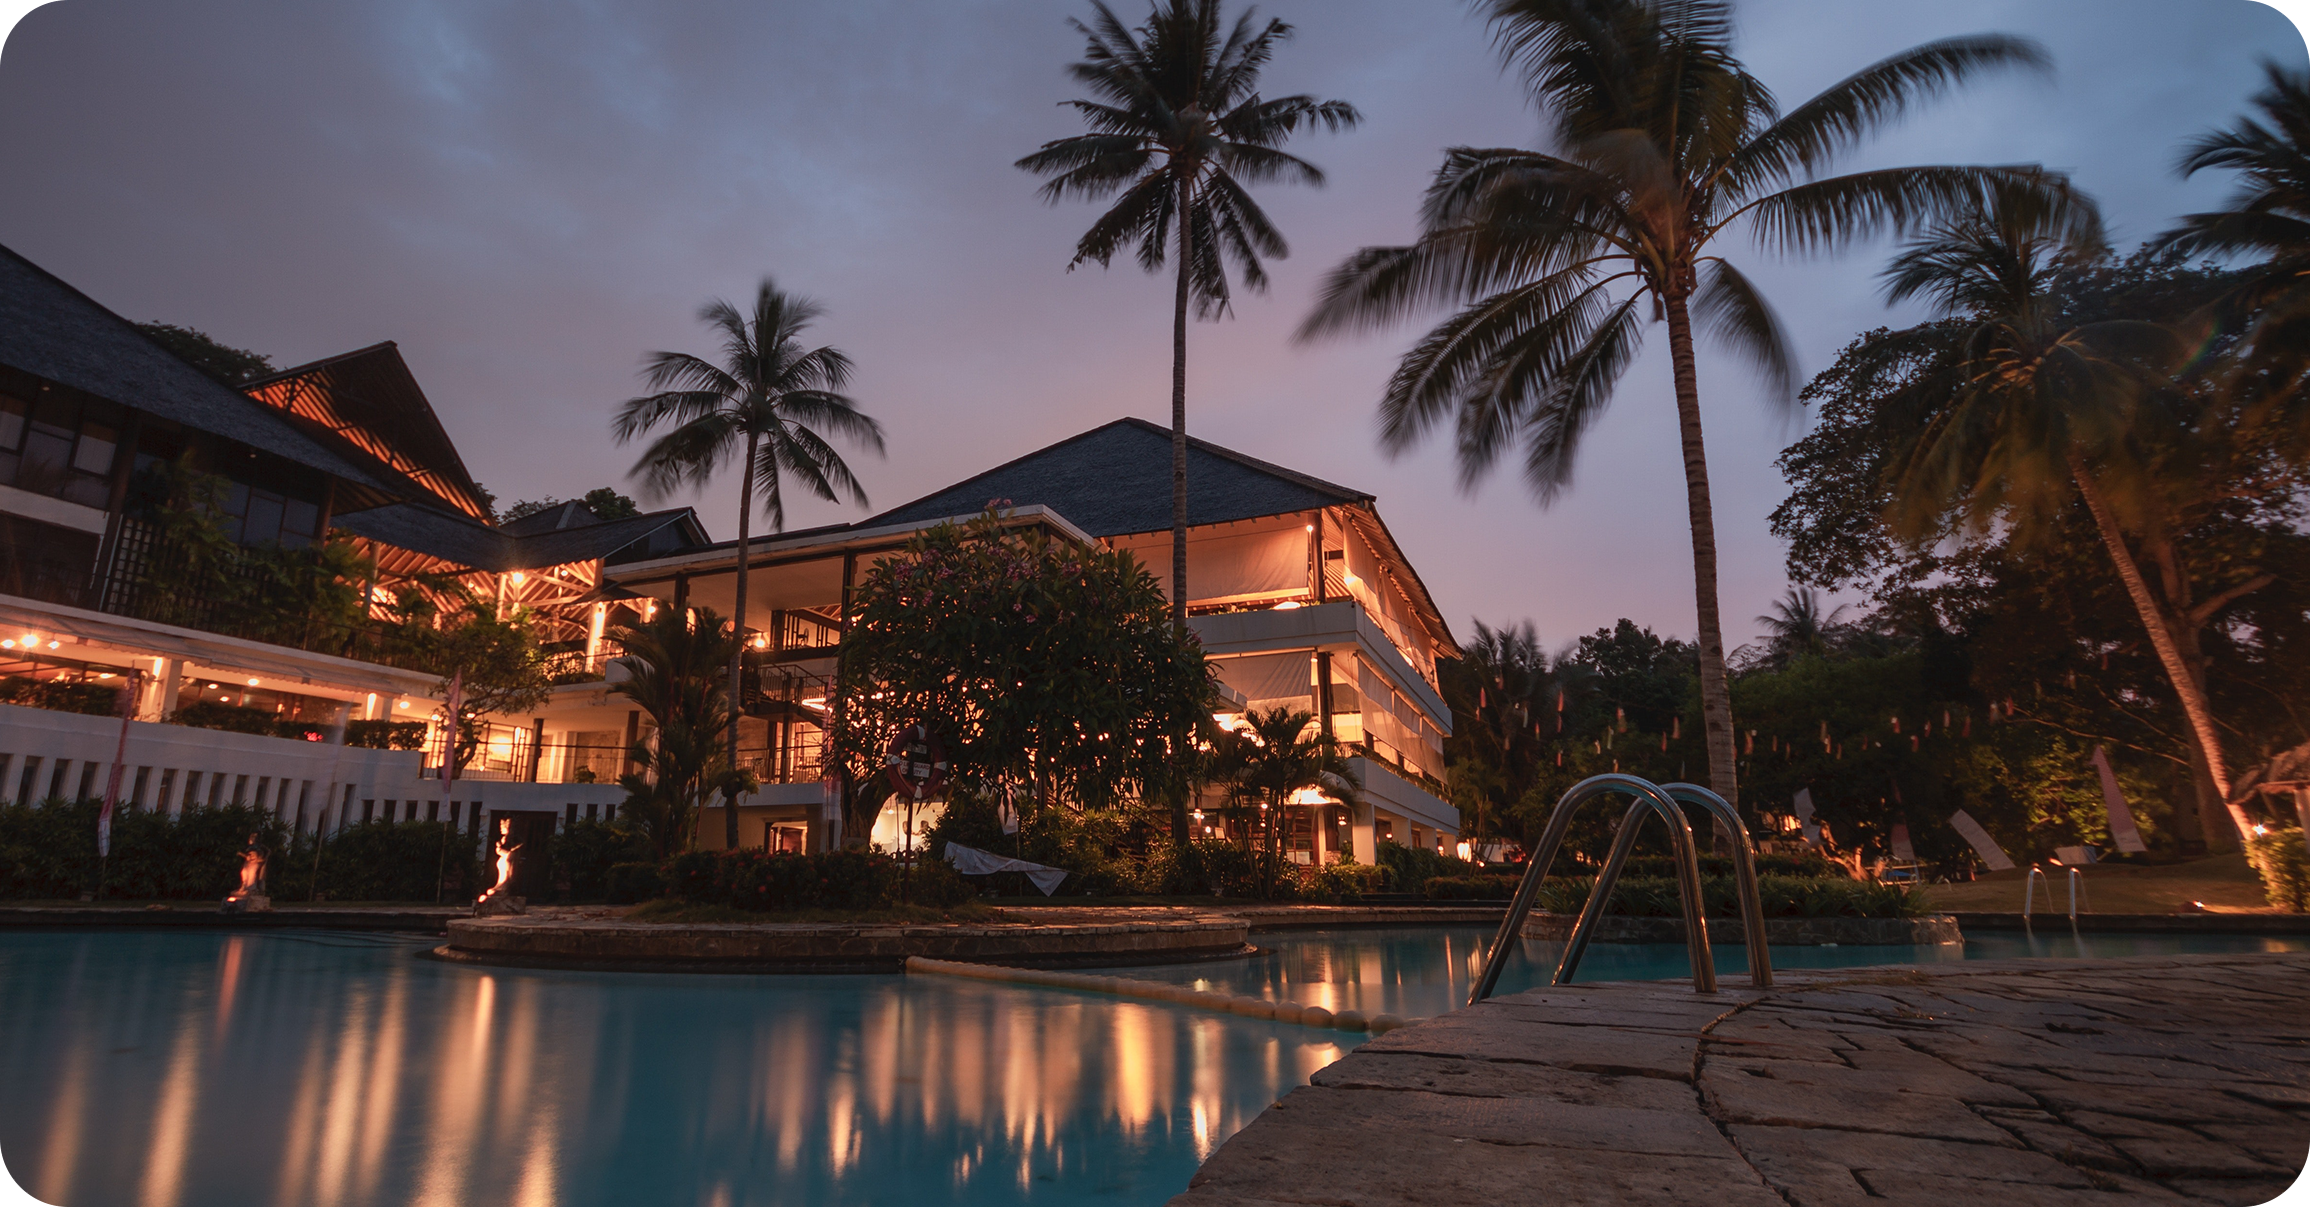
[[1178, 127], [2267, 222], [1664, 143], [2014, 410], [768, 401]]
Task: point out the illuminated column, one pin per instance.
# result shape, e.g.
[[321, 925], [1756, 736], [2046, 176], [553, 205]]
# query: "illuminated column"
[[1367, 850], [167, 677], [594, 635], [1319, 825]]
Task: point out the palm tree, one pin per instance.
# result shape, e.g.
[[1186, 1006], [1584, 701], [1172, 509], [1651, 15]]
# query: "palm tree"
[[769, 401], [1798, 626], [2269, 221], [1664, 143], [1178, 127], [2016, 410], [1267, 760], [670, 661]]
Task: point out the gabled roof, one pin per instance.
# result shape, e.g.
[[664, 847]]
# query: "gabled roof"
[[476, 546], [369, 399], [1115, 480], [53, 331]]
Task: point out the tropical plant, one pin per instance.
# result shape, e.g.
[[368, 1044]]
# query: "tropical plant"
[[673, 661], [771, 402], [1177, 126], [1267, 761], [1048, 671], [1664, 142]]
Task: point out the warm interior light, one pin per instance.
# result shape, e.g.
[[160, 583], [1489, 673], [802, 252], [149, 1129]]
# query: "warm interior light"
[[401, 704], [519, 578], [8, 644], [252, 683], [1289, 604], [817, 702], [52, 645], [1311, 528], [30, 640], [108, 675]]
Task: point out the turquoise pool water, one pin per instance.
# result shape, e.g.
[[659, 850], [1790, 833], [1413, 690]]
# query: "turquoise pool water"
[[206, 1069]]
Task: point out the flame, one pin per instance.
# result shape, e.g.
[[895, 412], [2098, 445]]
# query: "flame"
[[505, 852]]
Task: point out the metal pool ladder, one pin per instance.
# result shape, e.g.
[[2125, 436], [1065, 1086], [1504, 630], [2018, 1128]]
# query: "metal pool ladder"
[[1662, 801]]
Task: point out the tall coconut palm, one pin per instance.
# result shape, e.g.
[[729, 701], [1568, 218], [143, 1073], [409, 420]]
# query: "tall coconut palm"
[[1178, 127], [1664, 144], [2268, 223], [2016, 410], [771, 402]]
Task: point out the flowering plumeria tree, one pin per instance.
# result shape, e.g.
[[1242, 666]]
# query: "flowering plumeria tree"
[[1050, 671]]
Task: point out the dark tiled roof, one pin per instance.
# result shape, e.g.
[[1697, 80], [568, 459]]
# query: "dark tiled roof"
[[440, 533], [1116, 479], [51, 330]]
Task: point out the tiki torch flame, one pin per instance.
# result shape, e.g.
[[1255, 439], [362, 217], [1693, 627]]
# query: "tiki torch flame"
[[505, 852]]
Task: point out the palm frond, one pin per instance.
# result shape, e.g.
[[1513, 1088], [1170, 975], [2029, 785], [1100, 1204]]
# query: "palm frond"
[[1735, 312], [1827, 214]]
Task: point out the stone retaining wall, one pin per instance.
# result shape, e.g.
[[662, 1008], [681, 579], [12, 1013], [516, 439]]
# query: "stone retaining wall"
[[1783, 932]]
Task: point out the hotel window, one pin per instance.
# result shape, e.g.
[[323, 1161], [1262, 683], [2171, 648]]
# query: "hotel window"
[[256, 516], [55, 446]]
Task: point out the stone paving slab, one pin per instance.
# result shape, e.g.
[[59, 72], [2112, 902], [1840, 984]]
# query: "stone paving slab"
[[2182, 1079]]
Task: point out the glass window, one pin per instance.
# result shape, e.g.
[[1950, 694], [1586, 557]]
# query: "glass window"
[[300, 517], [12, 413], [55, 416], [263, 523], [46, 453], [237, 499], [97, 443]]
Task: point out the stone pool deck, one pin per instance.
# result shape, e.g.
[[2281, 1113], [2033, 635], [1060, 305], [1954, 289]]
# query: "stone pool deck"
[[2010, 1083]]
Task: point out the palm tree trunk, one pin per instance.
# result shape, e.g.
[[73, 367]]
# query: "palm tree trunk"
[[2184, 676], [738, 651], [1715, 687], [1179, 419]]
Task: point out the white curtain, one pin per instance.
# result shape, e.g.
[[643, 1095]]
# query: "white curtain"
[[1222, 567], [1270, 680]]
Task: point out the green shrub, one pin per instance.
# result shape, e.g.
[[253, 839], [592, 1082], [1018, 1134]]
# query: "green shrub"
[[1342, 881], [628, 883], [49, 852], [934, 882], [1410, 867], [1469, 888], [584, 853], [57, 695], [2284, 865], [1779, 896], [402, 861], [386, 735], [1663, 867], [232, 718], [756, 880]]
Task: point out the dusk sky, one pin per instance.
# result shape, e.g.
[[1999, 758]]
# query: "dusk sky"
[[528, 197]]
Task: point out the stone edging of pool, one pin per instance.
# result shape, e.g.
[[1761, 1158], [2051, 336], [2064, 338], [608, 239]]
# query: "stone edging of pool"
[[1930, 930], [608, 943], [2046, 1082]]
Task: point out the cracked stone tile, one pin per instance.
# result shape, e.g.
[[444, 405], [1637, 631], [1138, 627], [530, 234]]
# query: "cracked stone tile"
[[1817, 1165], [2186, 1105], [1497, 1035], [2285, 1145], [1936, 1190], [2233, 1192], [2058, 1140], [1367, 1070]]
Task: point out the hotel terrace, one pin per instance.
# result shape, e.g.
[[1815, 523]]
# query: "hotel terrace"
[[1300, 595]]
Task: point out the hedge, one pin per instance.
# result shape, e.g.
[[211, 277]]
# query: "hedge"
[[49, 853], [1780, 896], [2284, 865], [57, 695]]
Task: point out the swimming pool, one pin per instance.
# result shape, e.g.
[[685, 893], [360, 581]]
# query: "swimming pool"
[[191, 1069]]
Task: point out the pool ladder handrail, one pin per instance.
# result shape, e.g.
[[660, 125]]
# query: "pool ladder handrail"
[[2029, 892], [1663, 802]]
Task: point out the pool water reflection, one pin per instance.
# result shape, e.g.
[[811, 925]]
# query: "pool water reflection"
[[189, 1069]]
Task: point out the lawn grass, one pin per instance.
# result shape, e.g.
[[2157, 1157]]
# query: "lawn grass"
[[2223, 882]]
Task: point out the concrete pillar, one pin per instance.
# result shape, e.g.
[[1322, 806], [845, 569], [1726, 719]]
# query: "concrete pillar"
[[167, 678], [594, 626], [1319, 826], [1367, 849], [339, 718]]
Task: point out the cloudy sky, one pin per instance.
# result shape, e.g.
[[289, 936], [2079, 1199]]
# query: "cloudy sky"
[[528, 196]]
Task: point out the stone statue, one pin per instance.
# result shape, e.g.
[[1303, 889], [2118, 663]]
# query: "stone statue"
[[250, 897]]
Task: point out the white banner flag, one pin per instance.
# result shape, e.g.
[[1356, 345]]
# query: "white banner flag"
[[1804, 810], [1983, 844], [2121, 819]]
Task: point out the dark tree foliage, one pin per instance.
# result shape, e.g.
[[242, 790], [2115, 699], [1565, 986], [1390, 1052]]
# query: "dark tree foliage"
[[224, 365], [604, 501]]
